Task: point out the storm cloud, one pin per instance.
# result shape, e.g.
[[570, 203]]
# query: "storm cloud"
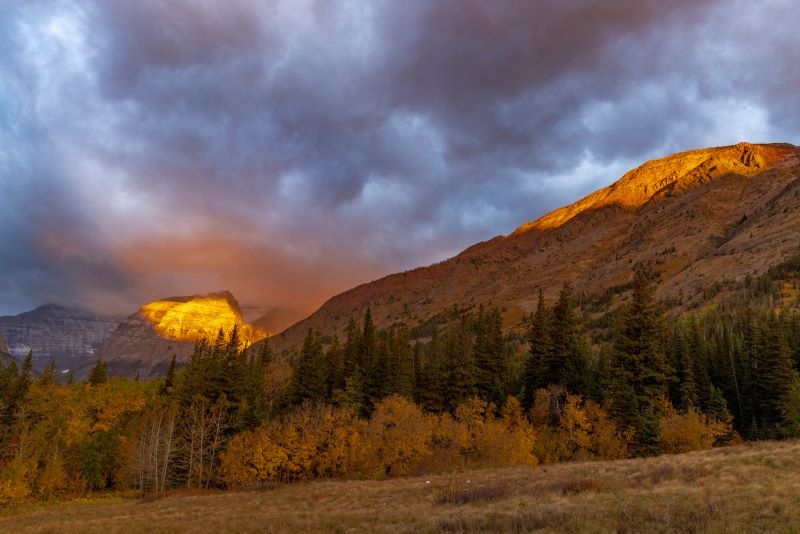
[[290, 149]]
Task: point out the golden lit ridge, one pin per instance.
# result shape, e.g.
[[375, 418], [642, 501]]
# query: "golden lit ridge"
[[670, 174], [193, 318]]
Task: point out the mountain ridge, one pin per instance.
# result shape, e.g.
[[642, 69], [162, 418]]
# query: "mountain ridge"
[[699, 215]]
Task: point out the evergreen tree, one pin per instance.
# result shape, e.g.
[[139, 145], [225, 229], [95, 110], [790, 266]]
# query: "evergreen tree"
[[310, 373], [98, 373], [639, 369], [460, 362], [774, 380], [489, 356], [537, 372], [683, 392], [401, 363], [434, 377], [169, 380], [337, 376], [567, 365]]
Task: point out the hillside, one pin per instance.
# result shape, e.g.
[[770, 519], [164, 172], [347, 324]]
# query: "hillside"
[[701, 217], [748, 488]]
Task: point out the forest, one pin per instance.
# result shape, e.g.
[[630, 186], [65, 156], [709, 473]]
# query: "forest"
[[601, 377]]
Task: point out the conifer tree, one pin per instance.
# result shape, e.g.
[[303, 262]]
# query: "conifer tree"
[[434, 377], [460, 361], [310, 374], [537, 372], [567, 365], [639, 369], [774, 378], [489, 355], [683, 390], [401, 363], [169, 380], [99, 373], [337, 376]]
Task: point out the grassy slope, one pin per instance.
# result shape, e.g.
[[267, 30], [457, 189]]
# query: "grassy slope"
[[748, 488]]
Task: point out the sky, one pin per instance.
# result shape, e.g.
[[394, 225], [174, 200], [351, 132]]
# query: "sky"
[[288, 150]]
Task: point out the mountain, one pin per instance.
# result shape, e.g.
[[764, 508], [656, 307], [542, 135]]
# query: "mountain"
[[145, 342], [701, 217], [67, 335]]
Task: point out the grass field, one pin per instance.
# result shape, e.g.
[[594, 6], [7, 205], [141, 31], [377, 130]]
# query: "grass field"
[[747, 488]]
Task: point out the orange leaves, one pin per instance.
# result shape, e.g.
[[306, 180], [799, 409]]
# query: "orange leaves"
[[573, 428], [398, 439], [690, 431], [314, 441]]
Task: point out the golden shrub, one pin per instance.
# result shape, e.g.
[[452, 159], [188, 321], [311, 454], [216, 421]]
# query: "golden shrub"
[[690, 431]]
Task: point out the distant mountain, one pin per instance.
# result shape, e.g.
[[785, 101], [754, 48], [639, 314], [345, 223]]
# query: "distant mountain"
[[69, 336], [145, 342], [700, 217]]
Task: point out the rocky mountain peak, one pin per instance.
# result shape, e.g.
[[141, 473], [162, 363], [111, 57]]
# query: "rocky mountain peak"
[[194, 317], [146, 341]]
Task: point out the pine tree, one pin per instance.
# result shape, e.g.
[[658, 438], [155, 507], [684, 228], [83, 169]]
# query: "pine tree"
[[639, 369], [567, 365], [310, 374], [401, 363], [774, 379], [489, 356], [537, 372], [460, 362], [337, 376], [99, 373], [684, 391], [434, 377], [169, 380]]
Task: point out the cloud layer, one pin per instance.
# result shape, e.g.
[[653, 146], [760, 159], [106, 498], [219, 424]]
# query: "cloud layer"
[[290, 149]]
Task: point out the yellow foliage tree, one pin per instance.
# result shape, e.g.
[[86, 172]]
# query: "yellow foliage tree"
[[690, 431], [570, 427], [507, 440], [398, 438]]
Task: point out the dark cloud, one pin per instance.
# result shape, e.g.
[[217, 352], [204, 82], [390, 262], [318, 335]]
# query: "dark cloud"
[[290, 149]]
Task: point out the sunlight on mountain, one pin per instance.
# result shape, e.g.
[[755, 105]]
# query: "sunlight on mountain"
[[198, 318]]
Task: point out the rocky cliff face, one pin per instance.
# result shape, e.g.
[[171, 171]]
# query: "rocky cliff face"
[[70, 337], [699, 216], [145, 342]]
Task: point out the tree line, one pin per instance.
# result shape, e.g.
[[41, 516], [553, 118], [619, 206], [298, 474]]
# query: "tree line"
[[384, 402]]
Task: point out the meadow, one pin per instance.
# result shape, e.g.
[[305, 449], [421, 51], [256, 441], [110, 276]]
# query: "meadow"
[[745, 488]]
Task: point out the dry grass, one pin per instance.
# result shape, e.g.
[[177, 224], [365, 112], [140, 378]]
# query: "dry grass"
[[748, 488]]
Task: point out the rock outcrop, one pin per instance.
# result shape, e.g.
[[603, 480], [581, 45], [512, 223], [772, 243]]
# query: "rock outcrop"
[[69, 336], [700, 216]]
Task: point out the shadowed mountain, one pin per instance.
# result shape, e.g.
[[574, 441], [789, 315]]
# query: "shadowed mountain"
[[699, 216], [69, 336], [146, 341]]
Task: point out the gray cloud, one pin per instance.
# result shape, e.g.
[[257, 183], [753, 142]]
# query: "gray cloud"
[[290, 149]]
